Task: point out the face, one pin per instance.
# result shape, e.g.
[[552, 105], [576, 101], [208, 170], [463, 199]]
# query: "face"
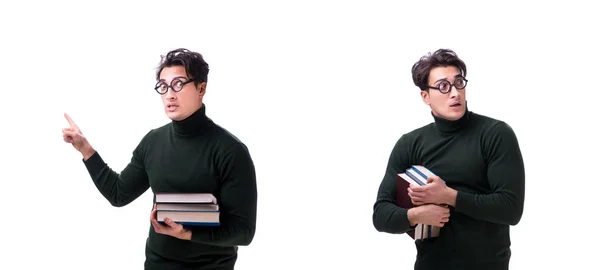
[[180, 105], [452, 105]]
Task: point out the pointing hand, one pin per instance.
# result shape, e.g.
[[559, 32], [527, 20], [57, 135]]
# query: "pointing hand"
[[73, 135]]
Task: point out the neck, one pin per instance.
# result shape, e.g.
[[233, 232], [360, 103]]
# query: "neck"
[[451, 126], [193, 124]]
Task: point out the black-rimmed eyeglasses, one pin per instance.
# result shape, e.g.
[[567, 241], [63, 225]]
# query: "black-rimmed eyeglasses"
[[445, 86], [176, 84]]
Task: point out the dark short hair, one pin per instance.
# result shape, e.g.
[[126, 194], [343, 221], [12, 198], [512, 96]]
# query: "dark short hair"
[[440, 58], [193, 62]]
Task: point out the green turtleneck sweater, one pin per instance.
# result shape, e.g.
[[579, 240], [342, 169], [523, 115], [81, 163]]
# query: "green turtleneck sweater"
[[480, 158], [193, 155]]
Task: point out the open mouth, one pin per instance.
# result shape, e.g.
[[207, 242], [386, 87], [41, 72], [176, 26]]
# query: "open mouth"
[[172, 106], [456, 104]]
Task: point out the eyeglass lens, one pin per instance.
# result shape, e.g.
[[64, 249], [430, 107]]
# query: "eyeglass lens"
[[459, 83]]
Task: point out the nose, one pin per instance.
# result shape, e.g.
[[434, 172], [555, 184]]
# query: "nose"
[[170, 94], [454, 92]]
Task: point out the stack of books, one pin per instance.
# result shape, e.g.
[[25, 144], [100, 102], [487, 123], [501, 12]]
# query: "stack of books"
[[416, 175], [188, 209]]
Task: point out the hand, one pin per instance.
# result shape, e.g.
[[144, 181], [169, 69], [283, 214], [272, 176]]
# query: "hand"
[[73, 135], [171, 228], [435, 192], [429, 214]]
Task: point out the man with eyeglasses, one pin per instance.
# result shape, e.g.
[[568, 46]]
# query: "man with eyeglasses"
[[479, 189], [190, 154]]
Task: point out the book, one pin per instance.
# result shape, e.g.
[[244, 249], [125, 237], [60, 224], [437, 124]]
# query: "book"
[[188, 209], [416, 175], [423, 172], [164, 197], [404, 201]]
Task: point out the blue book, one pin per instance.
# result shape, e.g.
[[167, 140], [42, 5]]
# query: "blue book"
[[422, 171], [417, 177]]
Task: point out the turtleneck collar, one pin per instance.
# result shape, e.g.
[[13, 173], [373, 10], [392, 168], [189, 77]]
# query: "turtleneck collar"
[[193, 124], [452, 126]]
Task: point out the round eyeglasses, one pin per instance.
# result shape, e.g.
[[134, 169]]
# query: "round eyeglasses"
[[445, 86], [176, 84]]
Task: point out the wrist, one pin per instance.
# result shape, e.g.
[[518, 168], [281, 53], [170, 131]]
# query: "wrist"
[[186, 235], [87, 152], [413, 216], [451, 197]]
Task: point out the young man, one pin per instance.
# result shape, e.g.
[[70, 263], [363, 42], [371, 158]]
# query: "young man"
[[189, 154], [480, 188]]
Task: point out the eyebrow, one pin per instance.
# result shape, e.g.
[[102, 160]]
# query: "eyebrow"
[[177, 77], [444, 79]]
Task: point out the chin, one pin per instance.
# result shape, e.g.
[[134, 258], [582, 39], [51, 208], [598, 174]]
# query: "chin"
[[454, 115], [174, 116], [450, 114]]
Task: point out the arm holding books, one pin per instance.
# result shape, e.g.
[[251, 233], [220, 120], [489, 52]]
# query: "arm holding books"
[[119, 189], [506, 176], [237, 200], [387, 216]]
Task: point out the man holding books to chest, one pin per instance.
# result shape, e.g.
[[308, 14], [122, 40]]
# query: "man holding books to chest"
[[190, 159], [473, 171]]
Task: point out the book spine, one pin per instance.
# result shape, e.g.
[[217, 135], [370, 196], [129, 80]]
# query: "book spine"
[[424, 174], [414, 177], [415, 169]]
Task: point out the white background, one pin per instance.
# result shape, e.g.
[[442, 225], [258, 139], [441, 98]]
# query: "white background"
[[319, 91]]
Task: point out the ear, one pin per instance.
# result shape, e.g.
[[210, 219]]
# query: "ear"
[[425, 97], [201, 88]]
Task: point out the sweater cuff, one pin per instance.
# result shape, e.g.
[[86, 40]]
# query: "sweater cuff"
[[400, 217], [94, 164], [462, 200]]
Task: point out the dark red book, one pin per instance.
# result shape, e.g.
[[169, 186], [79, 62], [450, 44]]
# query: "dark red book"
[[402, 198]]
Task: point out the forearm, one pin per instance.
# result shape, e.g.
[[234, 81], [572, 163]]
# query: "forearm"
[[238, 217], [500, 208], [389, 218], [105, 179], [232, 234], [110, 183]]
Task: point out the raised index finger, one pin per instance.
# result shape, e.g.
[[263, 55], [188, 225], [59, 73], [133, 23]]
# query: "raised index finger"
[[71, 123]]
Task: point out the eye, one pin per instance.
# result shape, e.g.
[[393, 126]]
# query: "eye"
[[177, 84], [459, 82], [161, 87], [444, 86]]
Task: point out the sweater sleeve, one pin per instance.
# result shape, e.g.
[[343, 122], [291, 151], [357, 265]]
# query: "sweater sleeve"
[[387, 216], [506, 177], [122, 188], [237, 201]]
